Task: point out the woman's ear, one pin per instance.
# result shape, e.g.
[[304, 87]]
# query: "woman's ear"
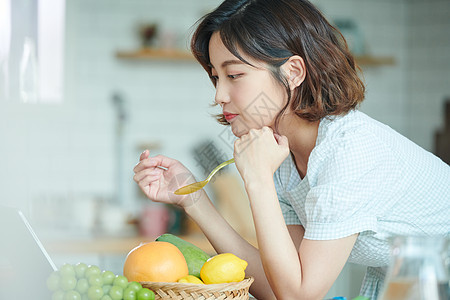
[[295, 70]]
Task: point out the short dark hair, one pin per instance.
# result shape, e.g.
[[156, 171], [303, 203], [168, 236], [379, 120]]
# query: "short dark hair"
[[274, 30]]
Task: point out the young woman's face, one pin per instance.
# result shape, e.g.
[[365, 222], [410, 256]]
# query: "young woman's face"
[[250, 97]]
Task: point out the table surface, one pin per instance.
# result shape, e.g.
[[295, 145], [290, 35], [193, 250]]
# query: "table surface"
[[117, 245]]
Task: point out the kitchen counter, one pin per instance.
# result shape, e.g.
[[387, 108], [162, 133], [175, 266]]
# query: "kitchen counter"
[[117, 245]]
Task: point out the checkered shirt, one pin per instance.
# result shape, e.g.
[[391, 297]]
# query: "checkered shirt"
[[364, 177]]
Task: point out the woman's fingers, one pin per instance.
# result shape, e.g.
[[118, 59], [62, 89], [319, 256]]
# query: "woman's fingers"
[[284, 141], [277, 137], [146, 164], [146, 181], [255, 134], [144, 155], [281, 139], [155, 161], [149, 172]]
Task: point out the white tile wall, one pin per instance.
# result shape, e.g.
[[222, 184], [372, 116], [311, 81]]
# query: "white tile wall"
[[68, 150], [428, 68], [383, 26], [161, 96]]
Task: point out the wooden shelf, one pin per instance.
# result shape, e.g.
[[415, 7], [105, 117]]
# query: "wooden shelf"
[[177, 55], [367, 60], [156, 54]]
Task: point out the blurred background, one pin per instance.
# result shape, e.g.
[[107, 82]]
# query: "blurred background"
[[87, 85]]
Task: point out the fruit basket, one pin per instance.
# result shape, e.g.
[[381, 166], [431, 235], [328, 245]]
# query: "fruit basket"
[[189, 291]]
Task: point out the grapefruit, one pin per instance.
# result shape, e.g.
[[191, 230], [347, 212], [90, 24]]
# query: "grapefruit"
[[155, 261]]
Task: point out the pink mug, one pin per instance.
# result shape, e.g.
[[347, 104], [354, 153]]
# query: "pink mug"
[[154, 221]]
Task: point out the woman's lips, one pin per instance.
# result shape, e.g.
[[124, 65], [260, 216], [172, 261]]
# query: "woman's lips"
[[229, 116]]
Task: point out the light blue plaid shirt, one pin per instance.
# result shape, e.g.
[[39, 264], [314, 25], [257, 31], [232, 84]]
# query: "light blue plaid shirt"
[[363, 177]]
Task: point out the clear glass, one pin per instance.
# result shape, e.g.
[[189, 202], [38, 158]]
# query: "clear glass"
[[417, 270], [28, 73]]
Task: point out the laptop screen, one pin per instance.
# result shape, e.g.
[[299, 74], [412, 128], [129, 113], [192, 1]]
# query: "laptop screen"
[[24, 263]]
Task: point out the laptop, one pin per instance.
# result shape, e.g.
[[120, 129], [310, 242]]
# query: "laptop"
[[24, 263]]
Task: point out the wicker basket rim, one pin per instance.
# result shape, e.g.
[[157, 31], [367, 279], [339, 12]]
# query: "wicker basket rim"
[[217, 286]]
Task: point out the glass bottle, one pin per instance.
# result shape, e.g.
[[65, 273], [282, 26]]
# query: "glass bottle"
[[28, 72], [417, 270]]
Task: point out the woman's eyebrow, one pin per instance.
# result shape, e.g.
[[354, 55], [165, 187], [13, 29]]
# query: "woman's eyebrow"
[[227, 63], [232, 62]]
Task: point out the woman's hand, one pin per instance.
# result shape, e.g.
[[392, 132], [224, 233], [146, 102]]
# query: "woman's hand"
[[260, 153], [158, 184]]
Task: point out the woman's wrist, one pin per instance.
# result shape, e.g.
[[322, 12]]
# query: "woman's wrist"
[[195, 202], [257, 181]]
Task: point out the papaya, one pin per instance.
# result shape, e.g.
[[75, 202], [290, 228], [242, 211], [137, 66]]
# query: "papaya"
[[195, 257]]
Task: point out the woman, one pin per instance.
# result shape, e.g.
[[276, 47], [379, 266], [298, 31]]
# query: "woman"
[[326, 183]]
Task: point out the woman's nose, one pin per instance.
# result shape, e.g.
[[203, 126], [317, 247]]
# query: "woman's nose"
[[222, 95]]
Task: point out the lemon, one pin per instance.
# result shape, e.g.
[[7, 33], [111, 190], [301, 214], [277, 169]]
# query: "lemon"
[[222, 268], [190, 279]]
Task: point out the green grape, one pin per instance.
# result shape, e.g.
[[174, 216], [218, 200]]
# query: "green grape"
[[53, 281], [95, 280], [80, 269], [108, 277], [129, 294], [72, 295], [58, 295], [68, 283], [136, 286], [95, 293], [82, 286], [106, 297], [106, 288], [121, 281], [116, 292], [84, 297], [92, 270], [145, 294], [67, 270]]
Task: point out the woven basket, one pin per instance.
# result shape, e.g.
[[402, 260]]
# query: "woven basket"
[[189, 291]]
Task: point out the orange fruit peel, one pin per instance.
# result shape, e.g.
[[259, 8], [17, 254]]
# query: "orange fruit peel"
[[156, 262]]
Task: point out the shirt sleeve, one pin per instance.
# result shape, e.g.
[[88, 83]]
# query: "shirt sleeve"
[[289, 214], [344, 199]]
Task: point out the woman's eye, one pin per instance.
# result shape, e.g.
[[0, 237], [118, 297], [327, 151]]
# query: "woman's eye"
[[234, 76]]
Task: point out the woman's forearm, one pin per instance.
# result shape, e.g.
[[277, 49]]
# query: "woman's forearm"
[[278, 253], [225, 239]]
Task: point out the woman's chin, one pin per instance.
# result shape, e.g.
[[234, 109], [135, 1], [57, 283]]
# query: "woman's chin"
[[237, 132]]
